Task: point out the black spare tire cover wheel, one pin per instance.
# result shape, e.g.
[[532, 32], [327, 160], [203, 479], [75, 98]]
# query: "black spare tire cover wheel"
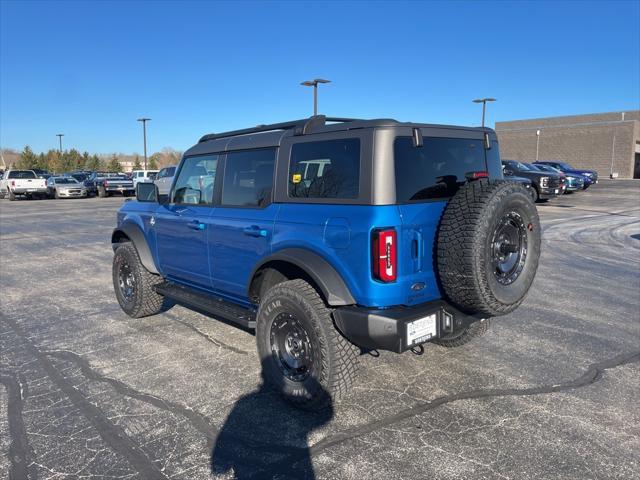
[[488, 247]]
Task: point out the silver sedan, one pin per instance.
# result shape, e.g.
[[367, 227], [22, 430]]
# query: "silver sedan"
[[65, 187]]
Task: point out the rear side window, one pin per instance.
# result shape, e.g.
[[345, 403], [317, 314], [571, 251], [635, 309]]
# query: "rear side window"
[[437, 169], [325, 169], [194, 185], [248, 178]]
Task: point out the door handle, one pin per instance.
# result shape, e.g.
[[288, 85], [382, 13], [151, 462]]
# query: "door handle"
[[196, 225], [255, 231]]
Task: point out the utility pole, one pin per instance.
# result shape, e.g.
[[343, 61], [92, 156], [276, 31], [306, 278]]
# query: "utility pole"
[[314, 83], [537, 143], [483, 101], [144, 134], [60, 135]]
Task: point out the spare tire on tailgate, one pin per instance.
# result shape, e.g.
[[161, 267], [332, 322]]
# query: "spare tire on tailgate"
[[488, 247]]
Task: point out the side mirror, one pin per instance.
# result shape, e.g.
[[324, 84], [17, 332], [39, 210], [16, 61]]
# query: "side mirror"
[[507, 171], [146, 192]]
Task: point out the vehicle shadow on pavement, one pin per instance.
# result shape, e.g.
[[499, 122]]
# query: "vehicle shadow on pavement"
[[265, 437]]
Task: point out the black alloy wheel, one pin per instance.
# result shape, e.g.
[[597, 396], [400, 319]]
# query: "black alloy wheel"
[[291, 347], [509, 248], [126, 282]]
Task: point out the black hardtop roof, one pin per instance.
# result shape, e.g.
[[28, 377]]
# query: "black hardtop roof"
[[271, 135]]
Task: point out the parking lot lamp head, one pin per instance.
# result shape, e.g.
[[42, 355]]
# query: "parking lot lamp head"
[[144, 136], [484, 101], [314, 83]]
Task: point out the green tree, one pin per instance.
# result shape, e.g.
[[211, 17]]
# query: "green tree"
[[53, 161], [136, 163], [153, 161], [93, 163], [114, 164], [28, 159]]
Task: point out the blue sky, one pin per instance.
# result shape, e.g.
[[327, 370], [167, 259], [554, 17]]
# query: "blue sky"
[[90, 69]]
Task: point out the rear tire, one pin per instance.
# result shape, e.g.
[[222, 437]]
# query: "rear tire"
[[464, 336], [102, 192], [302, 353], [488, 247], [134, 284], [12, 196]]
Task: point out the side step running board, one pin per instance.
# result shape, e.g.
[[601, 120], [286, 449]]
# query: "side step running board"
[[214, 306]]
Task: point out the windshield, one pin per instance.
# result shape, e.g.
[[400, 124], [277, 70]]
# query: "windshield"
[[22, 174], [63, 181], [565, 166]]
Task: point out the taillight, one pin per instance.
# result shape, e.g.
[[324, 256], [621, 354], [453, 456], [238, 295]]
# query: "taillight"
[[476, 175], [106, 184], [13, 183], [384, 250]]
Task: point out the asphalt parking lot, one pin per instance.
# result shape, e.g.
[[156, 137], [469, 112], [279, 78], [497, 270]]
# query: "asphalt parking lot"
[[551, 391]]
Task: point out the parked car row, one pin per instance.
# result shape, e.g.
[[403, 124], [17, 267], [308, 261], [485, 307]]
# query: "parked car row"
[[544, 179], [549, 179]]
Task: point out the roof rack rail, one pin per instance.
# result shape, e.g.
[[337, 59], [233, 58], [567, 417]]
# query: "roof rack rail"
[[301, 127]]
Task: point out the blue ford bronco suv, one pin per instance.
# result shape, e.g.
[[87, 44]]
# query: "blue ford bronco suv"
[[332, 237]]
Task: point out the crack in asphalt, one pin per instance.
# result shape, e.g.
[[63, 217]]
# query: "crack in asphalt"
[[206, 336], [113, 435], [20, 454], [199, 421], [592, 375]]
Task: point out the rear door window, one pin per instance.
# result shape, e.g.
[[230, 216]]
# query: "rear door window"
[[248, 178], [325, 169], [436, 169]]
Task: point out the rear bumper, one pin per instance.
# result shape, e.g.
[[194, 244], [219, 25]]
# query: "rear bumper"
[[24, 191], [388, 329]]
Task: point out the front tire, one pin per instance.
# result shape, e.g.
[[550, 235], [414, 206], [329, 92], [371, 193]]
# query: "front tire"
[[134, 284], [56, 195], [302, 353]]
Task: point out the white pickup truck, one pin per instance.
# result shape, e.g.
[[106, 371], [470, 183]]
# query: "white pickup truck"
[[22, 182]]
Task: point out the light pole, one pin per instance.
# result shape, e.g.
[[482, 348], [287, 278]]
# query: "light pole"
[[314, 83], [484, 101], [60, 135], [537, 143], [144, 135]]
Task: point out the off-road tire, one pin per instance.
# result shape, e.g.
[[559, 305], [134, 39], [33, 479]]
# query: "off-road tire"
[[145, 300], [102, 192], [466, 249], [335, 358], [465, 335], [12, 196]]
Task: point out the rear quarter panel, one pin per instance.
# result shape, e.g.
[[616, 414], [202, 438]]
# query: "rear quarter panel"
[[341, 235]]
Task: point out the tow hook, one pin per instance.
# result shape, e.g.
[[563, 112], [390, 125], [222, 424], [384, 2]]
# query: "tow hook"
[[417, 350]]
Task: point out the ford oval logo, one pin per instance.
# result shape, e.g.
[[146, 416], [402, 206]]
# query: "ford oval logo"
[[417, 286]]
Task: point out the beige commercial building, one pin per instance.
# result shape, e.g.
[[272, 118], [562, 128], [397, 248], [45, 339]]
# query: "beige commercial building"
[[606, 142]]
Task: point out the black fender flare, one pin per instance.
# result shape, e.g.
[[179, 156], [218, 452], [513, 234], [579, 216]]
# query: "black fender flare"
[[134, 233], [328, 280]]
